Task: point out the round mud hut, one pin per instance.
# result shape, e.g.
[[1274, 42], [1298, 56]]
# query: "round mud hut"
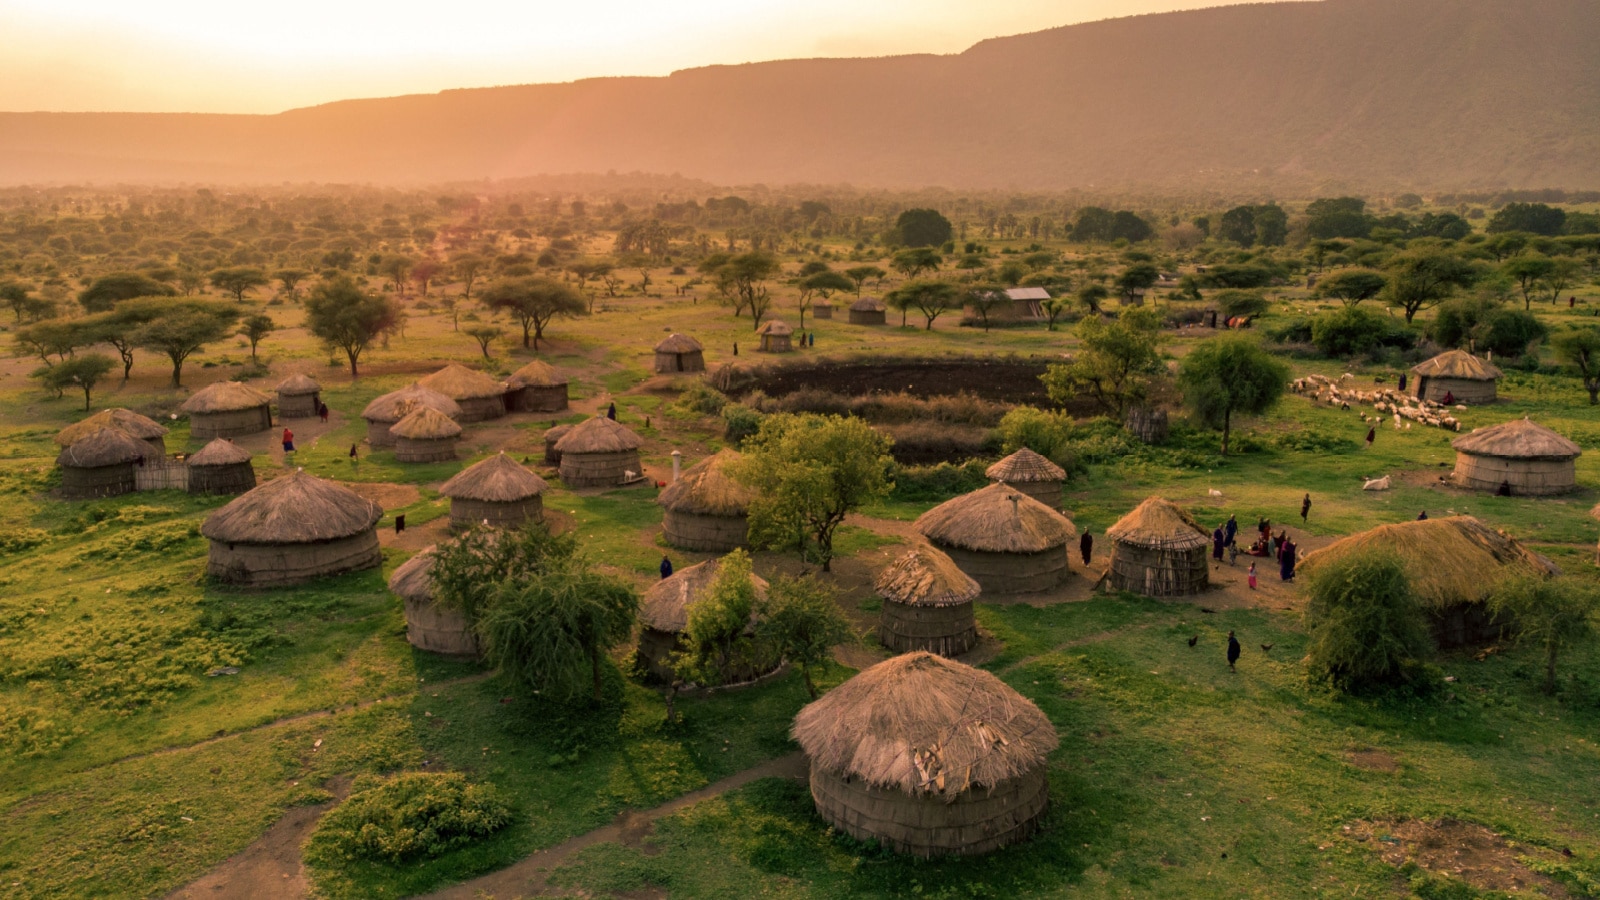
[[706, 509], [929, 757], [299, 397], [664, 614], [430, 626], [1007, 541], [1517, 458], [822, 309], [598, 452], [497, 492], [1158, 550], [775, 337], [552, 456], [680, 353], [290, 530], [425, 435], [140, 428], [382, 413], [1462, 377], [927, 604], [479, 396], [227, 409], [869, 311], [101, 463], [221, 467], [1031, 474], [536, 387]]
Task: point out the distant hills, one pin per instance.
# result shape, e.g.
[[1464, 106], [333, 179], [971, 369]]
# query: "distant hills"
[[1333, 95]]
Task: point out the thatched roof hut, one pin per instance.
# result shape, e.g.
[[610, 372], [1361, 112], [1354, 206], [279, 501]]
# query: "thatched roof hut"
[[290, 530], [497, 492], [536, 387], [868, 311], [928, 756], [680, 353], [227, 409], [430, 626], [552, 456], [221, 467], [927, 604], [140, 428], [396, 405], [299, 396], [664, 614], [775, 335], [425, 435], [1521, 455], [479, 396], [598, 452], [101, 464], [1158, 550], [822, 309], [1031, 474], [1006, 540], [706, 509], [1464, 377]]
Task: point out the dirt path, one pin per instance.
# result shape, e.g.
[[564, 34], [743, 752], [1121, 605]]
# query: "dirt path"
[[270, 868]]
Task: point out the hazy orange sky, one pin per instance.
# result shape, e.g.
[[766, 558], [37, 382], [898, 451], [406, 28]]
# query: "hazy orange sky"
[[231, 56]]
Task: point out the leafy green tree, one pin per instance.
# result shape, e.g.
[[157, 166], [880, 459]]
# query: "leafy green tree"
[[1054, 308], [1130, 227], [1236, 303], [467, 267], [15, 296], [254, 328], [1351, 286], [1116, 363], [1564, 271], [1527, 271], [190, 279], [802, 623], [929, 297], [1533, 218], [1421, 279], [742, 280], [1554, 614], [238, 281], [1092, 295], [1272, 225], [922, 228], [1093, 223], [587, 270], [1135, 278], [914, 262], [343, 315], [485, 335], [718, 639], [1348, 332], [109, 290], [823, 284], [1230, 375], [397, 266], [1338, 217], [290, 280], [182, 328], [1367, 629], [82, 371], [983, 300], [53, 337], [1238, 225], [860, 275], [1579, 348], [534, 302], [1047, 433], [549, 632]]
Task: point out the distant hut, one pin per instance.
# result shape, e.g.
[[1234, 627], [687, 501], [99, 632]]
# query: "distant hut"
[[1158, 550], [1524, 455], [429, 625], [868, 311], [822, 309], [664, 614], [680, 353], [299, 397], [101, 463], [1031, 474], [775, 335], [496, 491], [706, 509], [140, 428], [598, 452], [221, 467], [425, 435], [929, 757], [552, 456], [1013, 306], [479, 396], [292, 529], [390, 408], [927, 604], [227, 409], [1007, 541], [1466, 378], [536, 387]]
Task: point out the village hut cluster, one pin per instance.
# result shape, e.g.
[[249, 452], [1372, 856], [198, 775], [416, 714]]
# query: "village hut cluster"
[[1516, 458], [292, 529], [425, 435], [382, 413], [479, 397], [927, 604], [1007, 541], [664, 616], [227, 409], [101, 463], [221, 467], [299, 397], [498, 492], [140, 428], [536, 387], [599, 452], [707, 509], [1158, 550]]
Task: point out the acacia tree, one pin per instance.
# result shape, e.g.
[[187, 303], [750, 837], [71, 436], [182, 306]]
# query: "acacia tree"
[[1352, 286], [823, 284], [534, 302], [1230, 375], [182, 328], [928, 297], [1054, 308], [1135, 278], [15, 296], [1423, 278], [742, 280], [485, 335], [1552, 613], [56, 337], [1092, 295], [588, 270], [984, 299], [398, 268], [424, 272], [83, 371], [254, 328], [1580, 349], [1116, 362], [1527, 271], [860, 275], [1563, 272], [466, 268], [915, 261], [109, 290], [344, 316], [290, 280], [238, 281]]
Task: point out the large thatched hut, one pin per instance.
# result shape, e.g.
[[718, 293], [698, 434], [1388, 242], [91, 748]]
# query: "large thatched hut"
[[292, 529], [869, 311], [299, 397], [598, 452], [664, 614], [425, 435], [221, 467], [429, 625], [536, 387], [140, 428], [775, 336], [390, 408], [706, 509], [496, 491], [1462, 377], [929, 757], [552, 456], [927, 604], [1031, 474], [680, 353], [1007, 541], [1453, 565], [1520, 456], [1158, 550], [227, 409], [101, 464], [479, 396]]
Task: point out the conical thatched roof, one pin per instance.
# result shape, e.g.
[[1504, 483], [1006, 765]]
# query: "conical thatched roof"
[[868, 304], [220, 452], [124, 420], [1517, 439], [776, 328], [921, 723], [425, 424], [678, 343], [1458, 364], [986, 520], [414, 579], [298, 385], [598, 435], [666, 604], [225, 396], [926, 577], [1449, 560], [395, 405], [1025, 466], [1159, 524], [102, 447], [461, 383], [294, 509], [707, 489], [498, 479], [537, 373]]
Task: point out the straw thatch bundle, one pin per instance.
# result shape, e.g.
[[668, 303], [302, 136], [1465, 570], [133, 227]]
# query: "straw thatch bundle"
[[775, 335], [597, 452], [664, 614], [425, 435], [227, 409], [928, 756], [927, 604], [479, 396], [101, 464], [292, 529], [1006, 540], [497, 492], [868, 311], [707, 509], [396, 405], [1158, 550], [430, 626], [680, 353], [536, 387], [299, 395], [1031, 474], [1530, 458], [1458, 373], [140, 428], [221, 467], [552, 456]]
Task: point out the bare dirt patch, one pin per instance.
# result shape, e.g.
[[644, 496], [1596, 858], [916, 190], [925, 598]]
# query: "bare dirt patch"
[[1455, 849], [270, 867], [388, 496], [1374, 760]]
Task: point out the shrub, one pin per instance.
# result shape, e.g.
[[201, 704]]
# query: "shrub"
[[1349, 331], [925, 442], [1048, 434], [1367, 629], [409, 816], [1234, 302], [1509, 332], [937, 483], [702, 398], [739, 422]]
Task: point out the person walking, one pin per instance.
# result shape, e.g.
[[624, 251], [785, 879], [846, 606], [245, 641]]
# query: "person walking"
[[1233, 652], [288, 441], [1286, 560], [1230, 530], [735, 348], [1252, 576], [1086, 546], [1216, 544], [1305, 508], [611, 412], [322, 412], [1372, 435], [666, 567], [1402, 382]]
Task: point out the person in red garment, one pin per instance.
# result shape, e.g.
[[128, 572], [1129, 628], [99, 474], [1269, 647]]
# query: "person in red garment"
[[288, 441]]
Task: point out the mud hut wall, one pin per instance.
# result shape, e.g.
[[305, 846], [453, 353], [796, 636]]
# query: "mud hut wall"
[[693, 361], [1012, 573], [231, 423], [163, 474], [1527, 476], [1462, 389], [1158, 573], [945, 630], [480, 409], [98, 481], [272, 565], [775, 343], [552, 456], [465, 513], [825, 311], [439, 629], [705, 534], [234, 479], [414, 450], [1465, 625], [977, 821], [537, 398], [868, 317], [597, 469], [1046, 492], [299, 406], [379, 435]]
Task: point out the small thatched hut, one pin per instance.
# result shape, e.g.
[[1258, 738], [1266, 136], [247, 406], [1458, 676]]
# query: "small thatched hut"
[[221, 467], [927, 604], [101, 464], [680, 353], [1457, 373], [664, 614], [928, 756], [227, 409], [536, 387], [292, 529], [1158, 550], [775, 335], [479, 396], [390, 408], [1453, 564], [868, 311], [822, 309], [140, 428], [598, 452], [706, 509], [1007, 541], [552, 456], [1522, 455], [299, 397], [425, 435], [497, 492], [430, 626], [1031, 474]]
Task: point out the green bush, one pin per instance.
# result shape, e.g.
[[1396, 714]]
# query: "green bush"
[[739, 422], [1349, 331], [702, 398], [409, 816], [1367, 629], [1486, 325], [1048, 434], [937, 483], [1509, 332]]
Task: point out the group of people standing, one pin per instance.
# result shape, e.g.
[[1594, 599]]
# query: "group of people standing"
[[1225, 544]]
